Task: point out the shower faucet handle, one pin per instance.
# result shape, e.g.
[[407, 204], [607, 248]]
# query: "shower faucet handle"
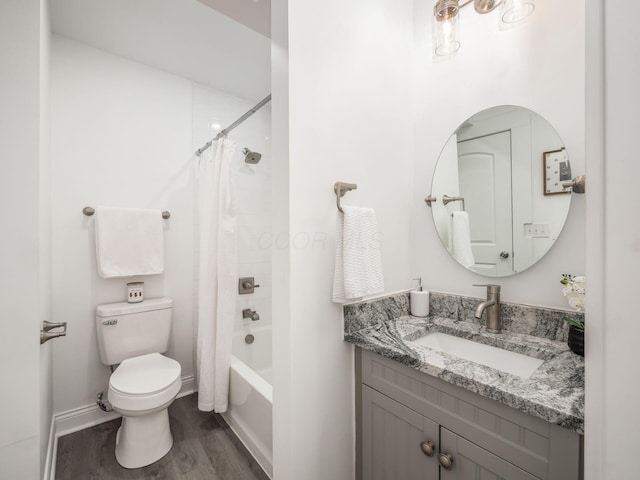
[[246, 285]]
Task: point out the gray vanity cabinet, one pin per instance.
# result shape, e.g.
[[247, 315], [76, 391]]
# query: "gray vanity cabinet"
[[475, 463], [401, 408], [396, 440]]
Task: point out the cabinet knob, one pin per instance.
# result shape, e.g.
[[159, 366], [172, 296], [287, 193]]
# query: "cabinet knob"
[[504, 254], [427, 448], [446, 460]]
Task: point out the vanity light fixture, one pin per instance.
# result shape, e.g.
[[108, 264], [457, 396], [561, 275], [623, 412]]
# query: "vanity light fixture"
[[446, 37]]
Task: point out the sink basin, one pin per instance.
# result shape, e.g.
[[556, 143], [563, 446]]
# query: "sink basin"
[[503, 360]]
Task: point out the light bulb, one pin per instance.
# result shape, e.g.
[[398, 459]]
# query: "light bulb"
[[446, 36]]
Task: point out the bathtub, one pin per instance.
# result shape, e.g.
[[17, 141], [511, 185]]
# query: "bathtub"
[[251, 395]]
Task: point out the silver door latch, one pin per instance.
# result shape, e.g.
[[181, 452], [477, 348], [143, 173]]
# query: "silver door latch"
[[46, 334]]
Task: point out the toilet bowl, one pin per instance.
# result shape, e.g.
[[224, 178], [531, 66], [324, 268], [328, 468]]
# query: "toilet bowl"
[[141, 389]]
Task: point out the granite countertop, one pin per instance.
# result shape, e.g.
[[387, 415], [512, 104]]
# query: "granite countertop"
[[554, 392]]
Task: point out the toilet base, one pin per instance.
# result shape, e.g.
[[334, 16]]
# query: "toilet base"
[[143, 440]]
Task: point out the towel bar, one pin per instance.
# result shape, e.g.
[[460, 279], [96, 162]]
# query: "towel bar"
[[577, 185], [429, 199], [447, 199], [341, 188], [88, 211]]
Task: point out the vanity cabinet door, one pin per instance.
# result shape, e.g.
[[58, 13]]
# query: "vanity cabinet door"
[[392, 440], [471, 462]]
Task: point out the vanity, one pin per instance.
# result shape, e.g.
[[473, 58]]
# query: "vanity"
[[426, 414], [479, 389]]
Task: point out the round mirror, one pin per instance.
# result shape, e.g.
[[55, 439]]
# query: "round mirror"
[[499, 201]]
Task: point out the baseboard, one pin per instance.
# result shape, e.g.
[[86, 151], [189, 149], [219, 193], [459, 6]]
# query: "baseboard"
[[188, 385], [52, 448], [88, 416]]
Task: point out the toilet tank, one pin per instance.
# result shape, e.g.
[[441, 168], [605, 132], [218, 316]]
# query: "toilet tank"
[[130, 329]]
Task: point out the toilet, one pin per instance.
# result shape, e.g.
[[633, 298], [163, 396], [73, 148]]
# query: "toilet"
[[145, 382]]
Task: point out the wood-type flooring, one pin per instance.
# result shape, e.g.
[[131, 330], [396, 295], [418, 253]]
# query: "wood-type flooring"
[[204, 447]]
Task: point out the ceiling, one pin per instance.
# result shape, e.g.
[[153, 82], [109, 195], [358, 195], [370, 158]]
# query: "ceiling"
[[255, 14], [183, 37]]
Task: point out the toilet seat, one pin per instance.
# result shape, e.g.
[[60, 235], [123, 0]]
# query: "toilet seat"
[[144, 383]]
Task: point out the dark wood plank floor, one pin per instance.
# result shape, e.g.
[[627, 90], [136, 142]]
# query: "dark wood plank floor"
[[204, 447]]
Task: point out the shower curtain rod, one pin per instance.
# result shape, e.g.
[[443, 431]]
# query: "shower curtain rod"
[[225, 131]]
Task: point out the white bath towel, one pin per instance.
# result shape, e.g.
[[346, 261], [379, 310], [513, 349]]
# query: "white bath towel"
[[129, 241], [460, 239], [358, 266]]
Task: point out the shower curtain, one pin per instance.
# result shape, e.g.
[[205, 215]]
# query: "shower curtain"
[[217, 273]]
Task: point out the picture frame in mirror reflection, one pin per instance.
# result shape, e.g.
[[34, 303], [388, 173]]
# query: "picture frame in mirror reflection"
[[492, 160], [557, 170]]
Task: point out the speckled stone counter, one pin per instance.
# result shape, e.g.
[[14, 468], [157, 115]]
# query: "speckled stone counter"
[[554, 392]]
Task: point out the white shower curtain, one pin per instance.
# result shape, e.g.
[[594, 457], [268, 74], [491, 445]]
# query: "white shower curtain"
[[217, 277]]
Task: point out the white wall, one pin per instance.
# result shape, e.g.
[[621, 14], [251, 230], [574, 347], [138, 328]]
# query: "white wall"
[[540, 66], [121, 136], [613, 393], [46, 360], [281, 268], [20, 137], [349, 98], [596, 372], [447, 184]]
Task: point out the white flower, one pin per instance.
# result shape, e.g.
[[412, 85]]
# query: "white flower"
[[575, 290], [576, 302]]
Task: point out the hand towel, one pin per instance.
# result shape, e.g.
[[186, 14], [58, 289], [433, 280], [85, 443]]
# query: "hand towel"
[[460, 239], [358, 265], [129, 241]]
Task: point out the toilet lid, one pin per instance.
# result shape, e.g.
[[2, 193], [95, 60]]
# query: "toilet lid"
[[145, 375]]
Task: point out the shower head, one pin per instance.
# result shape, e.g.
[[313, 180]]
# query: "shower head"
[[251, 157]]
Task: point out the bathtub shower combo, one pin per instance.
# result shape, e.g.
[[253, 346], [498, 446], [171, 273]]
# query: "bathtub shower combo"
[[249, 412]]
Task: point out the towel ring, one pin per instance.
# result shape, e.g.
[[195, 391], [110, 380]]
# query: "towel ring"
[[89, 211], [341, 188]]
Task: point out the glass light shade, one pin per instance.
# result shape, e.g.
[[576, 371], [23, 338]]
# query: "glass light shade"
[[513, 11], [446, 36]]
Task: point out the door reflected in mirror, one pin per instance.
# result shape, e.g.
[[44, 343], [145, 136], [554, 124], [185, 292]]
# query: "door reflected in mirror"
[[492, 213]]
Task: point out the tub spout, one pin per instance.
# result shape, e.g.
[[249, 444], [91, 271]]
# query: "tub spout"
[[252, 314]]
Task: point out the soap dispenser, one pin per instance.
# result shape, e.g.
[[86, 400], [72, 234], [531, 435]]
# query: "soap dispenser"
[[419, 301]]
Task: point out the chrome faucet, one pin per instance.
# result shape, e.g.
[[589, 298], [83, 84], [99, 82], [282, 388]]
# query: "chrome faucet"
[[492, 306]]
